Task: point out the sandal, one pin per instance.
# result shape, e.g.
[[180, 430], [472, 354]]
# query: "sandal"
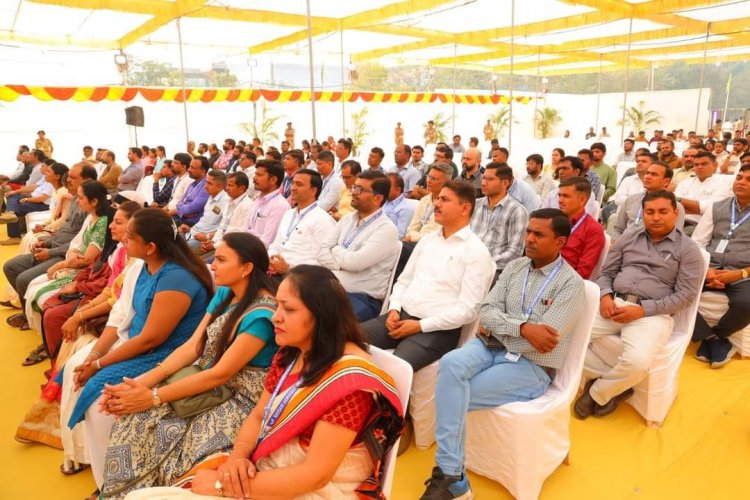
[[72, 468], [95, 495], [17, 320], [8, 303], [36, 356], [25, 326]]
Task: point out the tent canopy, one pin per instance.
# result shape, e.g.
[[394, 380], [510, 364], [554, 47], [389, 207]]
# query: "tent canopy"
[[550, 36]]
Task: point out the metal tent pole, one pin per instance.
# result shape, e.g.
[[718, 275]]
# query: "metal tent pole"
[[182, 82], [453, 112], [510, 84], [312, 75], [703, 70], [599, 92], [627, 78], [343, 86]]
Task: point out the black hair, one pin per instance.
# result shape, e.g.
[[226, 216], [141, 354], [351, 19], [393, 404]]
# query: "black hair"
[[240, 179], [298, 156], [560, 222], [465, 191], [380, 183], [219, 176], [110, 245], [60, 169], [249, 249], [398, 179], [536, 158], [581, 184], [668, 172], [137, 151], [378, 151], [354, 165], [661, 194], [184, 159], [316, 180], [575, 162], [600, 146], [205, 166], [335, 323], [273, 168], [326, 156], [95, 190]]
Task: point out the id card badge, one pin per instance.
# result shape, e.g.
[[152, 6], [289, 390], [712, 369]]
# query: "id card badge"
[[512, 356], [722, 246]]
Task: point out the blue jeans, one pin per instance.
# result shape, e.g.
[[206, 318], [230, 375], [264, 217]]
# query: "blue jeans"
[[365, 307], [474, 377]]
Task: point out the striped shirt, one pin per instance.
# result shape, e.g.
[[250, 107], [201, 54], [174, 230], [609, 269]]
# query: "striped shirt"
[[501, 228]]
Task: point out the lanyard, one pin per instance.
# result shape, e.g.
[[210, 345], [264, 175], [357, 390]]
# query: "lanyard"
[[732, 224], [293, 225], [230, 213], [394, 206], [577, 224], [527, 312], [639, 215], [269, 420], [349, 237], [427, 213]]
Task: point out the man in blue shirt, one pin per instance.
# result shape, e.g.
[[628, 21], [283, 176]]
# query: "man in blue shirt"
[[190, 209], [399, 208]]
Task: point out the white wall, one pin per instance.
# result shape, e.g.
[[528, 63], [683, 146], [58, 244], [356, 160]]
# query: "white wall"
[[71, 124]]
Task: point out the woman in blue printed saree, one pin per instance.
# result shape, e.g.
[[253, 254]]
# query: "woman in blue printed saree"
[[169, 299], [150, 445], [326, 419]]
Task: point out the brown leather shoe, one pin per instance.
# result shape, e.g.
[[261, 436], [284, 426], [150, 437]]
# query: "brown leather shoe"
[[612, 404], [585, 404]]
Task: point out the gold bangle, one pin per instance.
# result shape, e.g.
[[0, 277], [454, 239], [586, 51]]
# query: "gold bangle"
[[166, 373]]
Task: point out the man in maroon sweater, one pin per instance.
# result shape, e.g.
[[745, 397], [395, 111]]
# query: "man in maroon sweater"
[[586, 240]]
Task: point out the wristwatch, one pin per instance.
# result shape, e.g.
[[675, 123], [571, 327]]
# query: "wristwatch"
[[155, 395], [744, 273]]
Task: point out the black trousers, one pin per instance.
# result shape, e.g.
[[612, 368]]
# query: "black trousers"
[[735, 319], [420, 349]]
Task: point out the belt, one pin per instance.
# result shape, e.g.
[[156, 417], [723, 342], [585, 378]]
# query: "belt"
[[628, 297], [549, 370]]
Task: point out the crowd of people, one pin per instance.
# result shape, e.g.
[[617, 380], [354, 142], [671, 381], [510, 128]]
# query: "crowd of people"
[[207, 317]]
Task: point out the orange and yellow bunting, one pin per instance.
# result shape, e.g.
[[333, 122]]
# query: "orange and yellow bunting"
[[9, 93]]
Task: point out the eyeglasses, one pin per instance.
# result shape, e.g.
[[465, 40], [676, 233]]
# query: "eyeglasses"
[[359, 190]]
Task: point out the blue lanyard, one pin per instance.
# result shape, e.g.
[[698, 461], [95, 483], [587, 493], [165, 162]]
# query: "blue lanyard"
[[394, 206], [349, 237], [269, 420], [639, 216], [577, 224], [427, 213], [527, 312], [732, 224], [293, 225]]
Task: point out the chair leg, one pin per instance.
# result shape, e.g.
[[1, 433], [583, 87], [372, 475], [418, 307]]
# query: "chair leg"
[[653, 424], [566, 460]]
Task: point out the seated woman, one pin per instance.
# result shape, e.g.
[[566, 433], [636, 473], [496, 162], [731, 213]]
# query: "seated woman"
[[169, 297], [234, 344], [94, 286], [323, 401], [84, 250]]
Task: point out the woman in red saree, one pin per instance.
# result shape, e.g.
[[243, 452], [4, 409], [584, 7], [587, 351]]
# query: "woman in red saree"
[[328, 414]]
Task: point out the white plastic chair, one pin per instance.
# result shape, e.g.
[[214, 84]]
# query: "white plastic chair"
[[655, 394], [402, 374], [145, 188], [520, 444], [602, 257], [621, 168], [712, 307], [34, 218]]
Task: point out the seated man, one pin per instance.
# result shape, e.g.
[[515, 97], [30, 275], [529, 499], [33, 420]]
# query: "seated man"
[[651, 272], [267, 211], [293, 161], [362, 248], [163, 185], [524, 333], [303, 227], [570, 166], [133, 173], [724, 232], [658, 176], [471, 172], [216, 206], [350, 169], [441, 287], [524, 194], [585, 243], [499, 220], [190, 208], [332, 182], [234, 219], [697, 193], [398, 207]]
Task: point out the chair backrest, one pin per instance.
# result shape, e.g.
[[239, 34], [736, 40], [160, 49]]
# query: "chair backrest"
[[145, 188], [391, 279], [621, 168], [602, 257], [684, 319], [569, 377], [402, 374]]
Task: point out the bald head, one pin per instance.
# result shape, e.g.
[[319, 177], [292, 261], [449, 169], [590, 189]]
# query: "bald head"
[[472, 159]]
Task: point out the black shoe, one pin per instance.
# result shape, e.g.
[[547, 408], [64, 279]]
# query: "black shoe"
[[704, 352], [722, 351], [612, 404], [442, 487], [585, 405]]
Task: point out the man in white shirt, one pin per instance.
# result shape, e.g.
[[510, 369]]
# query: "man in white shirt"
[[411, 176], [540, 183], [333, 184], [303, 228], [571, 166], [363, 247], [399, 208], [180, 164], [423, 220], [215, 208], [343, 152], [235, 218], [270, 206], [697, 193], [247, 167], [441, 288], [627, 153], [633, 184]]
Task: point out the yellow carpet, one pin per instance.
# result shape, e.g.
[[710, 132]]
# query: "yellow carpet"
[[701, 452]]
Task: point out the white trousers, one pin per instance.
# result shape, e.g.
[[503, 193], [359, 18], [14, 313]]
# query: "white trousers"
[[73, 440], [641, 341], [97, 427]]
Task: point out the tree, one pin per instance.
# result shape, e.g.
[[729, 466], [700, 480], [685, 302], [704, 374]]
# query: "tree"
[[264, 131], [441, 124], [358, 131], [153, 74], [500, 120], [546, 119], [639, 118]]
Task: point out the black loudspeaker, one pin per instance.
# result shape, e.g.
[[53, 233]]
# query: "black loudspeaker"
[[134, 116]]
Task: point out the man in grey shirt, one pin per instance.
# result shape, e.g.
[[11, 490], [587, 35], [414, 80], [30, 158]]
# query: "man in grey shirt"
[[658, 176], [21, 269], [132, 175], [652, 272]]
